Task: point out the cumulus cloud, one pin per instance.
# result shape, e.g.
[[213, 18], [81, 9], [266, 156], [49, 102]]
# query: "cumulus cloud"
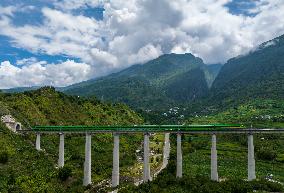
[[136, 31], [37, 73], [145, 54]]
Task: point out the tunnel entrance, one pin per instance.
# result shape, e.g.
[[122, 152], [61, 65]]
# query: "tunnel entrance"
[[18, 127]]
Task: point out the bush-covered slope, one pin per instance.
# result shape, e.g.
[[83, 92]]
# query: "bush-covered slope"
[[25, 169], [46, 106], [31, 171]]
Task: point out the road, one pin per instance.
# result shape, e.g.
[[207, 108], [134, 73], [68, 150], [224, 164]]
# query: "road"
[[166, 155]]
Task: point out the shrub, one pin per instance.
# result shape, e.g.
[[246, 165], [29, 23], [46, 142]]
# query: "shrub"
[[267, 185], [4, 157], [266, 154], [64, 173], [157, 159], [199, 144]]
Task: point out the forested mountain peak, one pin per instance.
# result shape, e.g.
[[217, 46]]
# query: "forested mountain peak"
[[167, 80]]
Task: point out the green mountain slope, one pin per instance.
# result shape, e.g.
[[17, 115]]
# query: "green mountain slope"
[[259, 74], [155, 84], [188, 86], [20, 89], [211, 72], [249, 89], [30, 171], [25, 169], [258, 113]]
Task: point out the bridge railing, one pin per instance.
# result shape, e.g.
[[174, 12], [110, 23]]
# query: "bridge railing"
[[137, 128]]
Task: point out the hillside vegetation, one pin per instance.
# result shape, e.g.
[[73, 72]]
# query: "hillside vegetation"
[[167, 182], [259, 74], [23, 169], [232, 166], [168, 80], [26, 170], [258, 113], [48, 107]]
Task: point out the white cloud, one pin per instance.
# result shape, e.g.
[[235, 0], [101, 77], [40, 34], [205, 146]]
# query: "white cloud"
[[145, 54], [136, 31], [103, 57], [75, 4], [26, 61], [42, 73], [8, 11]]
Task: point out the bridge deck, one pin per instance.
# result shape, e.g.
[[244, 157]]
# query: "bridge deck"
[[191, 129]]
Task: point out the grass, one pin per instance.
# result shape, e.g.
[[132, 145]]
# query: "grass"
[[232, 159]]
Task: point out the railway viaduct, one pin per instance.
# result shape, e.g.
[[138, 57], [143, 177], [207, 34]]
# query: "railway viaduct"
[[146, 130]]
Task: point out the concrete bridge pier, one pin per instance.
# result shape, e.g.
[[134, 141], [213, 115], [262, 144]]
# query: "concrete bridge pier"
[[166, 151], [179, 157], [214, 165], [115, 170], [61, 150], [87, 163], [146, 168], [251, 159], [38, 141]]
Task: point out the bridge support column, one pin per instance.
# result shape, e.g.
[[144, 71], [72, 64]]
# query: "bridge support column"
[[166, 150], [38, 141], [87, 163], [61, 150], [115, 170], [251, 160], [179, 157], [214, 165], [146, 168]]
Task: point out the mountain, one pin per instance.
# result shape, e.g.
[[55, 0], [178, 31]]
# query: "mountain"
[[258, 74], [20, 89], [168, 80], [249, 89], [182, 79]]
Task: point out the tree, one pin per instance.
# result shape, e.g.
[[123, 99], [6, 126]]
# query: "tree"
[[64, 173], [4, 157]]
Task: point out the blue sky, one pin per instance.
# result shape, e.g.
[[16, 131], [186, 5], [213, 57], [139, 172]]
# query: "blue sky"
[[61, 42], [238, 7], [35, 17]]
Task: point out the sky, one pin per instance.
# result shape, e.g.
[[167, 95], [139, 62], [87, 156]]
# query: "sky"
[[62, 42]]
